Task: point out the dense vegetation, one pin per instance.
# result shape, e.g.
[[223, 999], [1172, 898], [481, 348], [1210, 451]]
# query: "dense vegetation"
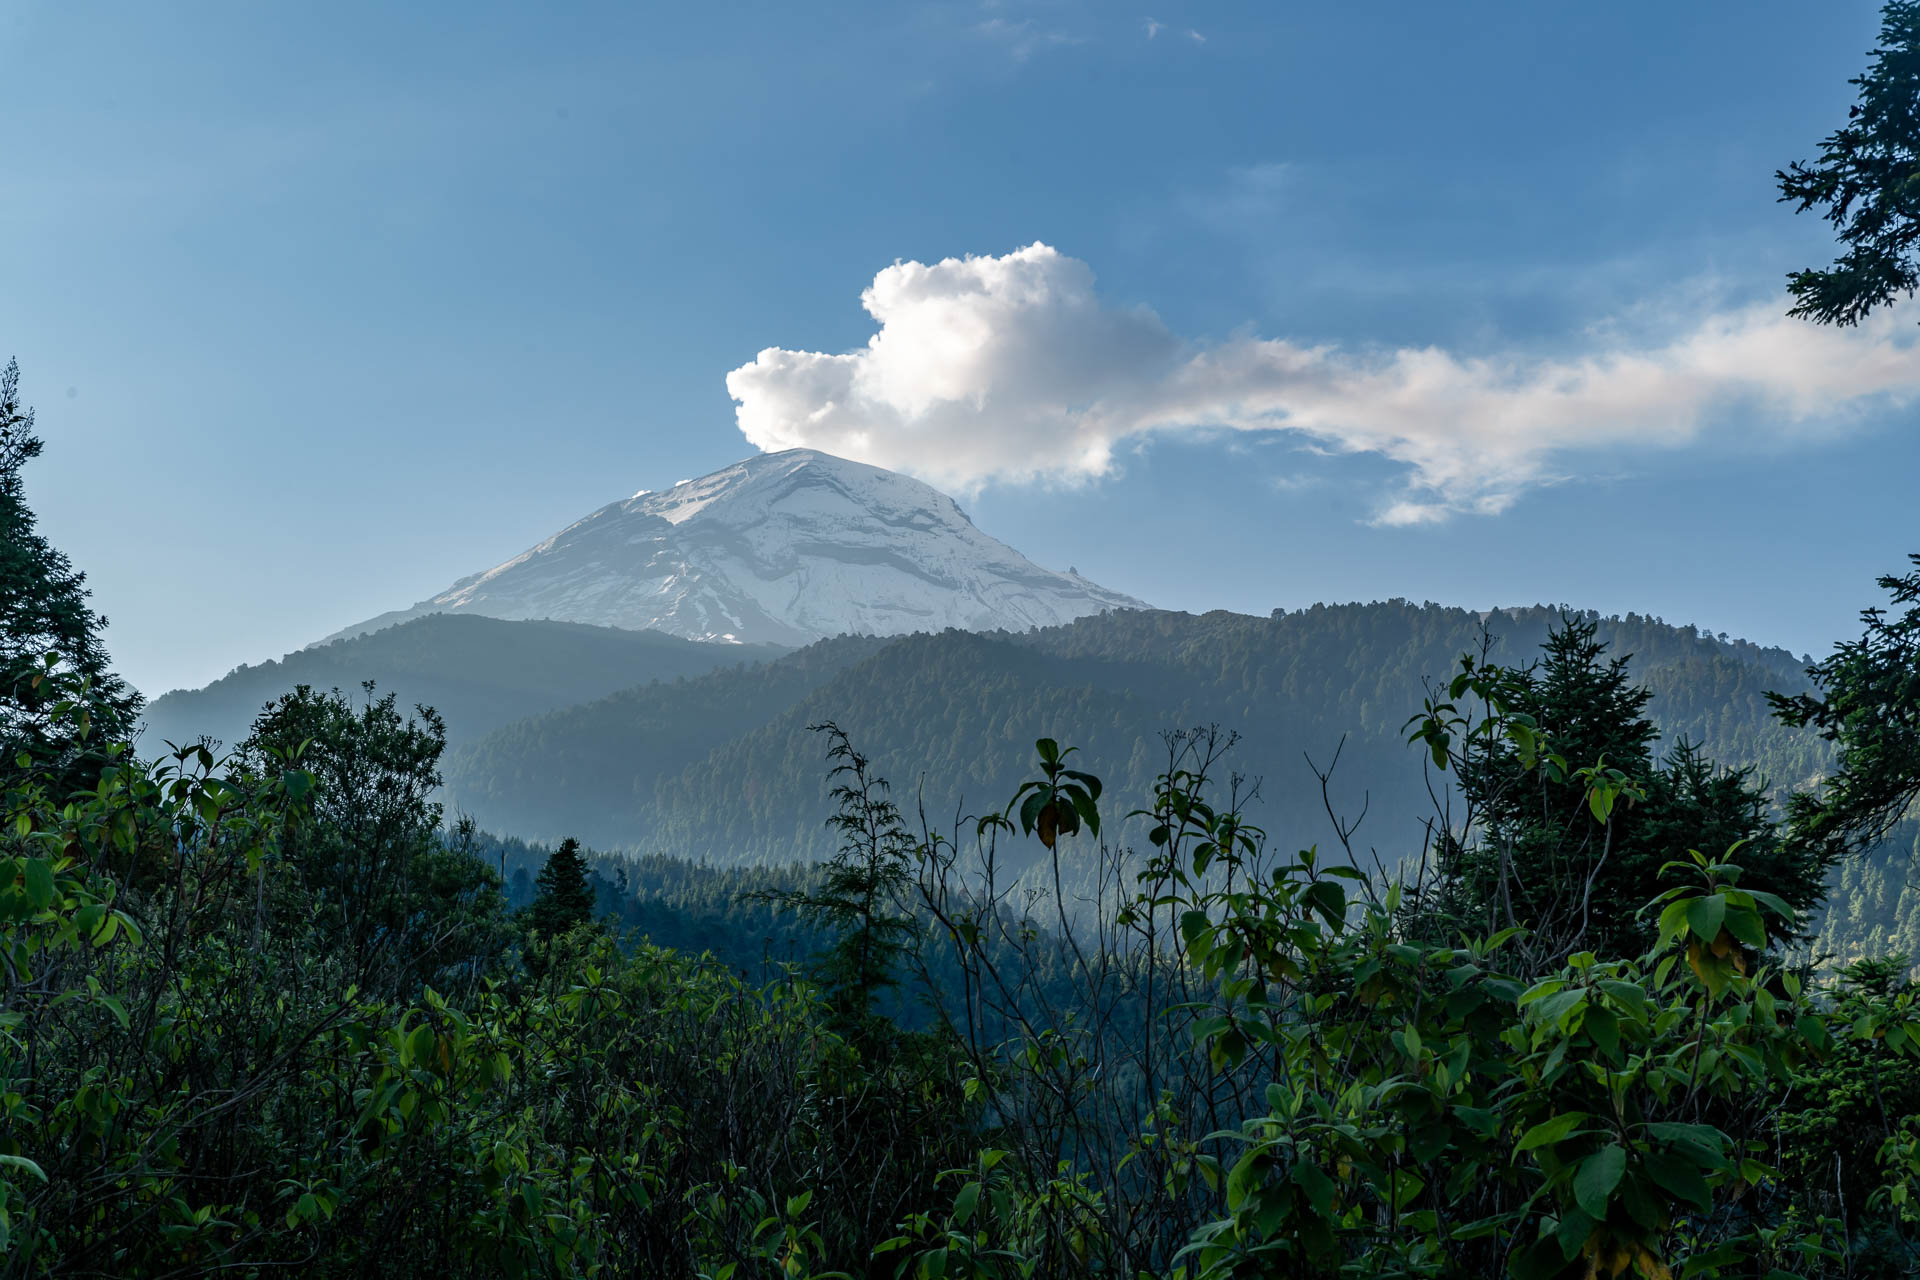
[[1256, 1069]]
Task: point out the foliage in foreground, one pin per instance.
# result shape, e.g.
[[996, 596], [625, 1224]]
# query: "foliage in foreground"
[[212, 1066], [203, 1069]]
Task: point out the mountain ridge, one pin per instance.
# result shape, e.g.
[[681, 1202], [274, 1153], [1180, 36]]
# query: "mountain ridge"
[[961, 711], [478, 672]]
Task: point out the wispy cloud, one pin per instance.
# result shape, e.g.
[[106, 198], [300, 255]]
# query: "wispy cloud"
[[1249, 200], [1012, 368], [1023, 39], [1153, 28]]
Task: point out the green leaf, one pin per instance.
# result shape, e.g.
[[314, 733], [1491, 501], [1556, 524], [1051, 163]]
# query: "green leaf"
[[1679, 1177], [1329, 898], [1195, 926], [1746, 926], [1083, 805], [1311, 1179], [1599, 1174], [1427, 1142], [21, 1162], [1704, 916], [965, 1202], [1630, 993], [1551, 1131], [1603, 1028], [1526, 743], [1704, 1136], [1556, 1007], [1541, 990], [1673, 920], [1030, 811], [1091, 781], [1574, 1228], [39, 878]]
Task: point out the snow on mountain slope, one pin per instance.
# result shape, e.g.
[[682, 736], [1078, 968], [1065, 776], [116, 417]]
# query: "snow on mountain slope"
[[784, 548]]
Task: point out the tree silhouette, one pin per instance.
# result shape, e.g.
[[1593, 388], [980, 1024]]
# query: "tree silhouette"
[[43, 610], [563, 899]]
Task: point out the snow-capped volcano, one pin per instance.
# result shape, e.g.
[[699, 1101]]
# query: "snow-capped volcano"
[[784, 548]]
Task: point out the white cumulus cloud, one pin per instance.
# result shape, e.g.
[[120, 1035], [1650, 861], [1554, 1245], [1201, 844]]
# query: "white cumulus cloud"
[[1011, 368]]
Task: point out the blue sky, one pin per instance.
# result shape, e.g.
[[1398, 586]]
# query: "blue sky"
[[323, 309]]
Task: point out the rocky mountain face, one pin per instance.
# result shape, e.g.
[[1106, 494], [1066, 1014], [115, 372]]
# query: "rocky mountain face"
[[783, 548]]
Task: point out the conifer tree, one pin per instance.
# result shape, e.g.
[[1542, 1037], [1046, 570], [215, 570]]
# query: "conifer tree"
[[564, 899], [1868, 706], [1863, 184], [1539, 855], [43, 610]]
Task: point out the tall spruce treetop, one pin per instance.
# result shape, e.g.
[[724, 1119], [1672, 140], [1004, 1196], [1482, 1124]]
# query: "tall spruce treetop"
[[43, 609], [564, 898], [1867, 182], [1868, 706], [1537, 854]]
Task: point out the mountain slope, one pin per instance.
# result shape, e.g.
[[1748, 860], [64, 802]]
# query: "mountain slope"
[[478, 672], [783, 548], [591, 769], [951, 718]]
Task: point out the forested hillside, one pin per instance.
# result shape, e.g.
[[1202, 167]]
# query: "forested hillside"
[[477, 672], [1873, 901], [721, 768]]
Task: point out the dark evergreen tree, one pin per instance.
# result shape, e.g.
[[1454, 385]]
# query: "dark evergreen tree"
[[43, 610], [564, 897], [1864, 182], [1868, 705], [1539, 855]]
